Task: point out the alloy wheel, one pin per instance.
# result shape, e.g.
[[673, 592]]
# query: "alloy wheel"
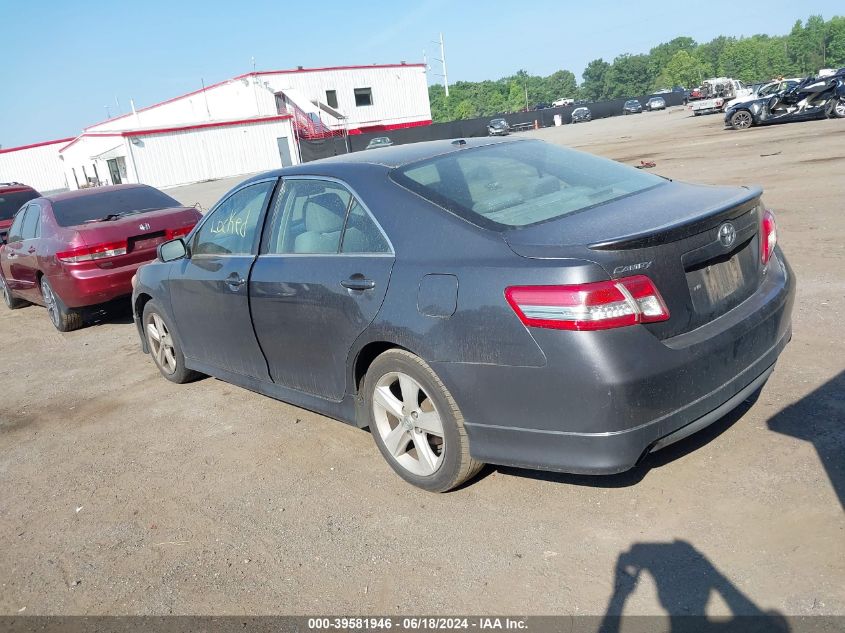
[[50, 303], [741, 120], [5, 290], [161, 343], [839, 109], [408, 424]]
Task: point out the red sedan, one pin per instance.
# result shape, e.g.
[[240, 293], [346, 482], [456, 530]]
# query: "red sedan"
[[81, 248]]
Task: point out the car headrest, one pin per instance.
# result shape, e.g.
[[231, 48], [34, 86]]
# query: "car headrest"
[[324, 213]]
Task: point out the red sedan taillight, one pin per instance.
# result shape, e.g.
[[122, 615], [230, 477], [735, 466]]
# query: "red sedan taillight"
[[172, 234], [92, 253], [768, 236], [594, 306]]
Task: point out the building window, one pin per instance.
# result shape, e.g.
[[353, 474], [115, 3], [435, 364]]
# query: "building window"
[[331, 98], [363, 97]]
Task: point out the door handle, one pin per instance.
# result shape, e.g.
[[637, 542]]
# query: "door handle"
[[235, 281], [358, 283], [30, 250]]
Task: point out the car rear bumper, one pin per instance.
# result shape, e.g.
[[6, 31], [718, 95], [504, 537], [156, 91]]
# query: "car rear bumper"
[[604, 399], [79, 287]]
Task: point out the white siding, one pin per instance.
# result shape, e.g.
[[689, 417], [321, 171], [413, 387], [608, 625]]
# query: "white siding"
[[38, 167], [83, 153], [176, 158]]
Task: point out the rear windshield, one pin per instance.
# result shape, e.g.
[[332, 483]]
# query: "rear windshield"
[[522, 183], [12, 201], [103, 204]]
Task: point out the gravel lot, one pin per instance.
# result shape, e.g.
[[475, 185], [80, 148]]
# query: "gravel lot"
[[121, 493]]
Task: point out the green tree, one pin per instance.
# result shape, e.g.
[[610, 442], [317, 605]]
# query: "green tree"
[[629, 75], [594, 86], [682, 70]]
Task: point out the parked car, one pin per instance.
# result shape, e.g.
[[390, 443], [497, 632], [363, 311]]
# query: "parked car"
[[13, 195], [758, 91], [540, 106], [379, 141], [813, 98], [560, 103], [498, 127], [581, 115], [81, 248], [656, 103], [531, 305], [632, 106]]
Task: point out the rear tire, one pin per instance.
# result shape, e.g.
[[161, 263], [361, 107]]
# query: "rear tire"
[[63, 318], [835, 109], [12, 302], [416, 423], [165, 346]]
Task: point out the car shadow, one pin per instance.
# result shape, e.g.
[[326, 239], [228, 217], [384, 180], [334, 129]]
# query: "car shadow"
[[819, 418], [647, 463], [117, 312], [685, 581]]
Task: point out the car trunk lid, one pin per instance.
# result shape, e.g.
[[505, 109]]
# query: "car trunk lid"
[[671, 234]]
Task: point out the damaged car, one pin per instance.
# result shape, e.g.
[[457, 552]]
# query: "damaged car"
[[813, 98]]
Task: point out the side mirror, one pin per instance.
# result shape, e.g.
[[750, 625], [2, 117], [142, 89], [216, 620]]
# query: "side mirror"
[[172, 250]]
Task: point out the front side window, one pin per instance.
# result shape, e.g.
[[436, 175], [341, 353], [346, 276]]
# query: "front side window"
[[17, 225], [321, 217], [363, 97], [521, 183], [231, 227]]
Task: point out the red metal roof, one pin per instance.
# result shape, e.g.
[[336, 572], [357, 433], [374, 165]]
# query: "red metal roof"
[[22, 147]]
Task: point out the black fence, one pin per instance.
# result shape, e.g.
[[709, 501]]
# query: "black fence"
[[466, 128]]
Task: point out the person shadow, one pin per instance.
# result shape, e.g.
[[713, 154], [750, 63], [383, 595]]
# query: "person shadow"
[[685, 582], [819, 418]]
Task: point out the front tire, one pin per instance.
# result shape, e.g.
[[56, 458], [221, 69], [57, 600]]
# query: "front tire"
[[835, 109], [63, 318], [416, 423], [741, 120], [165, 347], [12, 302]]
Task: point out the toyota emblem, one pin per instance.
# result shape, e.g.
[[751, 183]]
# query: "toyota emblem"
[[145, 226], [727, 235]]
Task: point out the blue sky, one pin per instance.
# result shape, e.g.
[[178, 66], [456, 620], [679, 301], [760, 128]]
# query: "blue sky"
[[63, 62]]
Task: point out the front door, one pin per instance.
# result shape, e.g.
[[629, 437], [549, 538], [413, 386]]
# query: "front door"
[[318, 283], [114, 171], [209, 287], [20, 265]]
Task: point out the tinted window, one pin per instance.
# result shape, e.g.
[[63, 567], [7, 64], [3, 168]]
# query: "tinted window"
[[363, 96], [361, 234], [30, 224], [10, 202], [15, 229], [331, 98], [517, 184], [95, 206], [230, 228]]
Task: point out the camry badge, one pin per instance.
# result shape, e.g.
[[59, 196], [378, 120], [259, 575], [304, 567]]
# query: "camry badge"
[[727, 235], [145, 226]]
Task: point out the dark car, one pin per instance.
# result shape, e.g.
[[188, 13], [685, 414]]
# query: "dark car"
[[511, 302], [379, 141], [582, 114], [498, 127], [79, 249], [13, 195], [656, 103], [541, 106], [632, 106], [812, 98]]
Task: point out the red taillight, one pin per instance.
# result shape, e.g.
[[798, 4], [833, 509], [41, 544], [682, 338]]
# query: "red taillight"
[[768, 236], [172, 234], [594, 306], [92, 253]]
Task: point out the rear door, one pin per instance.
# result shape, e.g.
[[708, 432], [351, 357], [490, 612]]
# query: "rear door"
[[319, 282], [209, 288]]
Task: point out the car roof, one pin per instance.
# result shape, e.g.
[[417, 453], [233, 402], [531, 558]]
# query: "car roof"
[[11, 187], [92, 191]]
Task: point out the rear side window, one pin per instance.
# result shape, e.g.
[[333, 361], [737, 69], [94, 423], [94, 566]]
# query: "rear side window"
[[10, 202], [517, 184], [107, 204], [17, 225]]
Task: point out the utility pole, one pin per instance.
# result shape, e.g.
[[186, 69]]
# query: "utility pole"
[[442, 60]]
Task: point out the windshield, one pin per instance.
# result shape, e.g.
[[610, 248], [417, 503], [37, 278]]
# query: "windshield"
[[632, 103], [518, 184], [497, 122], [11, 201], [110, 204]]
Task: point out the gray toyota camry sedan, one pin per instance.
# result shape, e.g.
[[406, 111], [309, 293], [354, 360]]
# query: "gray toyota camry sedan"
[[479, 301]]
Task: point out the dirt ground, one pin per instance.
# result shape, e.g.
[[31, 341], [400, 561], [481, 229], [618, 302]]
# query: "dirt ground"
[[121, 493]]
